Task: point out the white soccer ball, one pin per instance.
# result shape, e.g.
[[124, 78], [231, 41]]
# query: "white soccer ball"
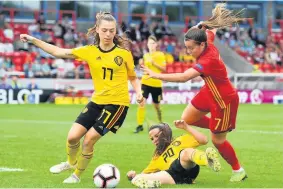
[[106, 176]]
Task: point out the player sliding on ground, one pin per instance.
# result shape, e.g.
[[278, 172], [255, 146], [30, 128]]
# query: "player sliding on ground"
[[175, 161], [217, 96], [111, 65]]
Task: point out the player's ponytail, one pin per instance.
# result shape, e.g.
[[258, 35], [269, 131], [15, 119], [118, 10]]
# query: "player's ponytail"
[[122, 41], [164, 139], [221, 18]]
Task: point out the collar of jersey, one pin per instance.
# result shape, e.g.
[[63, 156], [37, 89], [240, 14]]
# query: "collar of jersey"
[[108, 50]]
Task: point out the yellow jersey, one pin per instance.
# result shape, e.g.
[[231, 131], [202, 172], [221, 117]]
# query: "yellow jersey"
[[158, 58], [109, 71], [163, 162]]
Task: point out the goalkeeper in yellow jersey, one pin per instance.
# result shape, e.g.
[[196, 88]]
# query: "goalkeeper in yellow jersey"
[[175, 161], [111, 66], [154, 60]]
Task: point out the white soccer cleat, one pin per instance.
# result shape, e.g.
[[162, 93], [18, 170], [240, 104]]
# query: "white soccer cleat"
[[213, 159], [143, 183], [63, 166], [72, 179]]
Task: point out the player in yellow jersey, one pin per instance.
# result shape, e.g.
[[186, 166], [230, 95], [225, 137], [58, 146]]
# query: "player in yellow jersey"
[[175, 161], [111, 66], [154, 60]]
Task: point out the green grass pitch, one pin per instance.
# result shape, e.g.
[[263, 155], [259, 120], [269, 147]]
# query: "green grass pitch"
[[32, 137]]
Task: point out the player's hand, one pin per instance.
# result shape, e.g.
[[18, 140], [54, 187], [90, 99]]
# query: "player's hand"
[[26, 38], [180, 124], [131, 174], [148, 72], [140, 98]]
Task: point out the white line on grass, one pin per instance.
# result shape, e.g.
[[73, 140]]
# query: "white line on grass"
[[67, 122], [6, 169]]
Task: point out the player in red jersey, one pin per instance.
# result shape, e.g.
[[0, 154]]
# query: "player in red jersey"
[[217, 96]]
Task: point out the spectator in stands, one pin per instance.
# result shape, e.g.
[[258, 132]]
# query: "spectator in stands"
[[59, 68], [157, 30], [41, 22], [58, 30], [272, 57], [46, 37], [69, 37], [166, 30], [8, 65], [36, 33], [33, 27], [8, 32], [4, 84], [32, 85], [15, 84], [144, 30], [28, 69], [36, 69], [2, 20], [45, 68], [69, 69]]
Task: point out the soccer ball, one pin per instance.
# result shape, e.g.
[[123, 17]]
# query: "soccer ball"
[[106, 176]]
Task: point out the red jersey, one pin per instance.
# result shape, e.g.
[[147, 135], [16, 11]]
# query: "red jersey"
[[214, 73]]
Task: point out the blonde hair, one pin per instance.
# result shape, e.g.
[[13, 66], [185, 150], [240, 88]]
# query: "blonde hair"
[[223, 17], [123, 42]]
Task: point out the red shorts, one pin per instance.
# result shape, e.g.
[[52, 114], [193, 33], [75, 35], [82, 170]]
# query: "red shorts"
[[221, 120]]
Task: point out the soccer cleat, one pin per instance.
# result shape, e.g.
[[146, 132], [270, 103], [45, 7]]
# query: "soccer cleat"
[[143, 183], [238, 176], [63, 166], [72, 179], [213, 160], [138, 129]]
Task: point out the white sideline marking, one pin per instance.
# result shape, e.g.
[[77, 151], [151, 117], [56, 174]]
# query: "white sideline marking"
[[6, 169], [69, 123]]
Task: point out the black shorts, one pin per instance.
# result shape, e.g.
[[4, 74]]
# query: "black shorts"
[[156, 93], [102, 118], [181, 175]]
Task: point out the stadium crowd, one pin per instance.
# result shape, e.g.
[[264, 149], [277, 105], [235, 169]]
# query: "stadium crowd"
[[265, 53]]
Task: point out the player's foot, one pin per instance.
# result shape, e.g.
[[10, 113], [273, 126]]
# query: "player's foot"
[[143, 183], [63, 166], [213, 160], [238, 176], [138, 129], [72, 179]]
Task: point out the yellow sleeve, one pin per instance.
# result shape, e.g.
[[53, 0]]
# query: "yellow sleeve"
[[130, 64], [81, 53], [151, 168], [188, 141]]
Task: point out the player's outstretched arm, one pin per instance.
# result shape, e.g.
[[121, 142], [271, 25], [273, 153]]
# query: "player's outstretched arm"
[[201, 138], [176, 77], [51, 49]]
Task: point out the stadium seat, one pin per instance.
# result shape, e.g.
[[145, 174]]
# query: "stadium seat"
[[170, 68], [178, 67]]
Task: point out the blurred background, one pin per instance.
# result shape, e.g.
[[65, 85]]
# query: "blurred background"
[[252, 52]]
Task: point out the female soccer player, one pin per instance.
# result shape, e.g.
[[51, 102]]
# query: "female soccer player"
[[217, 96], [111, 65], [175, 161], [154, 60]]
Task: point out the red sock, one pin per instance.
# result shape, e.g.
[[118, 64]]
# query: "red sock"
[[228, 153], [203, 122]]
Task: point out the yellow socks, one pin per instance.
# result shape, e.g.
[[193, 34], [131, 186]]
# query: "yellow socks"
[[199, 157], [140, 115], [83, 162], [72, 152]]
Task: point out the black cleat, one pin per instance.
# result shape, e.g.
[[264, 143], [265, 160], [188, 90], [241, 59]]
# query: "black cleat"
[[139, 129]]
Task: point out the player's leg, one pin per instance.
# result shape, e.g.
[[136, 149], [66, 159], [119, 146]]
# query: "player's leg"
[[153, 180], [156, 98], [77, 131], [189, 157], [141, 109], [223, 121], [195, 113]]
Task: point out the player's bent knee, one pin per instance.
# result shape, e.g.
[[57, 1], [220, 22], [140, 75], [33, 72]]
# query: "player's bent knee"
[[186, 154]]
